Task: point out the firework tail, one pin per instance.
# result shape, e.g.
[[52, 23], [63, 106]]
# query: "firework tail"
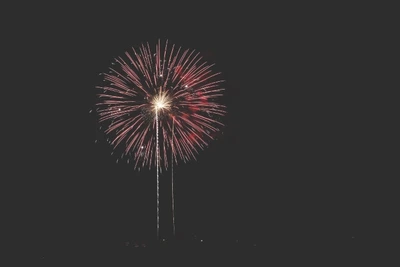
[[172, 180], [158, 178]]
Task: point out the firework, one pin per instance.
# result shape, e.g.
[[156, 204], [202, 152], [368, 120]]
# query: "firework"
[[170, 94], [154, 101]]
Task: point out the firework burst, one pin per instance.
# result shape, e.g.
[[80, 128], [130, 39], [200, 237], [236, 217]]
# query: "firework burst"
[[168, 94]]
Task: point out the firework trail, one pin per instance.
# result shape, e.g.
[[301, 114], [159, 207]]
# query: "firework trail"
[[158, 174], [155, 101]]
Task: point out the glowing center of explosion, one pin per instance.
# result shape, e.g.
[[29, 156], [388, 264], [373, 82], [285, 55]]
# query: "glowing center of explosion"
[[161, 101]]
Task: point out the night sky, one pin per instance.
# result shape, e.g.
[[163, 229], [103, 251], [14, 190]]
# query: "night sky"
[[297, 163]]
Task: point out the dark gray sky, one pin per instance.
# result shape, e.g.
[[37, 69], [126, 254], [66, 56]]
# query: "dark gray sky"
[[295, 160]]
